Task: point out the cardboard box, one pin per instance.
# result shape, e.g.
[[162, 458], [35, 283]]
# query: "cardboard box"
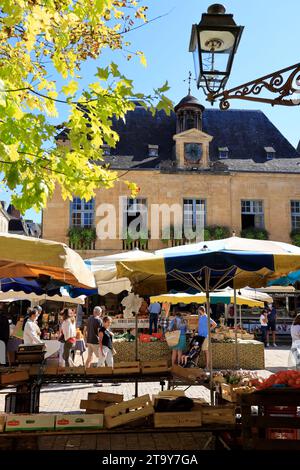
[[79, 421], [33, 422], [14, 377]]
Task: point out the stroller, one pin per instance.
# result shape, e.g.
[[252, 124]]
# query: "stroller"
[[193, 352]]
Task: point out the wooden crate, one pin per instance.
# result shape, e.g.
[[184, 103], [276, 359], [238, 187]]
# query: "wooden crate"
[[2, 422], [191, 374], [127, 367], [128, 411], [218, 414], [99, 371], [171, 393], [178, 419], [71, 370], [154, 367], [107, 397], [36, 369], [95, 406], [14, 377], [50, 370], [232, 392], [229, 392]]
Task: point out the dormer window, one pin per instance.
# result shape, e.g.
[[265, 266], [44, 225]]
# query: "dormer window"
[[153, 150], [270, 153], [223, 152], [106, 150]]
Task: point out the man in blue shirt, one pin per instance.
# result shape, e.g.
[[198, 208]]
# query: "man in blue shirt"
[[154, 311], [203, 332]]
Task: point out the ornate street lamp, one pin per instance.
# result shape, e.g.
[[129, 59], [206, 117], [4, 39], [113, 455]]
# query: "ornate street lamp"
[[214, 42]]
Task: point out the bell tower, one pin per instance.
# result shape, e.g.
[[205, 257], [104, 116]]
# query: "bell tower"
[[188, 114]]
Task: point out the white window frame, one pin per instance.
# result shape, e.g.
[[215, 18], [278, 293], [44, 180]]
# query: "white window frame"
[[254, 207], [295, 214], [81, 207], [192, 211]]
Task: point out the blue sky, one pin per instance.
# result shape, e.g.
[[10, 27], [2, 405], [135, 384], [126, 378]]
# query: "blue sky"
[[270, 42]]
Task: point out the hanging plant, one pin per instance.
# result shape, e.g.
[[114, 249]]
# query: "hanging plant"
[[82, 238], [295, 237], [256, 233], [216, 232]]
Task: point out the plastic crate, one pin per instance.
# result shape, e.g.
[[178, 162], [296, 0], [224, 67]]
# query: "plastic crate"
[[284, 411], [22, 402], [285, 433]]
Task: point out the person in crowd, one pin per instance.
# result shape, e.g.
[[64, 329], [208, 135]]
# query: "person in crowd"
[[32, 332], [295, 334], [68, 329], [93, 327], [154, 311], [163, 321], [263, 320], [230, 318], [106, 344], [203, 332], [4, 334], [26, 317], [271, 324], [295, 328], [4, 328], [178, 323], [16, 338]]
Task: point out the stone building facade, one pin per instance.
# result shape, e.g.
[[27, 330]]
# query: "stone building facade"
[[234, 168]]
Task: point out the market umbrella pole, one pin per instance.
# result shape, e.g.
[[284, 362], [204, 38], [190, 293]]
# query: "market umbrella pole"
[[235, 330], [136, 352], [207, 275]]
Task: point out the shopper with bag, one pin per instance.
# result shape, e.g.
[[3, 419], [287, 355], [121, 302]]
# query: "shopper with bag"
[[106, 344], [68, 329], [178, 324], [203, 332]]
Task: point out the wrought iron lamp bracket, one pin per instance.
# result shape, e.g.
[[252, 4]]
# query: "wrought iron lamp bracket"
[[285, 83]]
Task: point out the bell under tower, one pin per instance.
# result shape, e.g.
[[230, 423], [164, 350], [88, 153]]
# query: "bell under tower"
[[188, 114]]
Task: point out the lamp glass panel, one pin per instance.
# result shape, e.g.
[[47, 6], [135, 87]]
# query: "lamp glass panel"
[[225, 40]]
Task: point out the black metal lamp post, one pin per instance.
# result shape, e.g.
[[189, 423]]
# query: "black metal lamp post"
[[214, 42]]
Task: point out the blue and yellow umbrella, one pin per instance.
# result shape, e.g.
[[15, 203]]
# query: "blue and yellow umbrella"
[[207, 266]]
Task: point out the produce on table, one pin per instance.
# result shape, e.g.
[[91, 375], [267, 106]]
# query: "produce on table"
[[289, 378]]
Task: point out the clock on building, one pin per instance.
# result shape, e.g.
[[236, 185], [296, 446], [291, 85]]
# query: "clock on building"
[[192, 152]]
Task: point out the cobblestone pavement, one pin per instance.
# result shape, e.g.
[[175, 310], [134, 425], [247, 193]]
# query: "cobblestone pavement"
[[66, 397]]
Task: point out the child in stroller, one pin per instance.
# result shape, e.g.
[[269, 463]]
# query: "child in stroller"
[[190, 359]]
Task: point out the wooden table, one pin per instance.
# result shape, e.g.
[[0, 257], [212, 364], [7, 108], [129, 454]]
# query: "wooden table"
[[200, 438]]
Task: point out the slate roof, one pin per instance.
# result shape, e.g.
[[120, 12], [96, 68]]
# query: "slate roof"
[[246, 133]]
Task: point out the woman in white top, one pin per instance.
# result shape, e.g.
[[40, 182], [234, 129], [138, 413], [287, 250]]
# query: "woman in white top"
[[295, 349], [264, 326], [295, 329], [68, 329], [32, 331]]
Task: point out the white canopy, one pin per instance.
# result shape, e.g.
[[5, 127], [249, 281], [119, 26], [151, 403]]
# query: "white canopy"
[[11, 296], [104, 270], [251, 294]]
